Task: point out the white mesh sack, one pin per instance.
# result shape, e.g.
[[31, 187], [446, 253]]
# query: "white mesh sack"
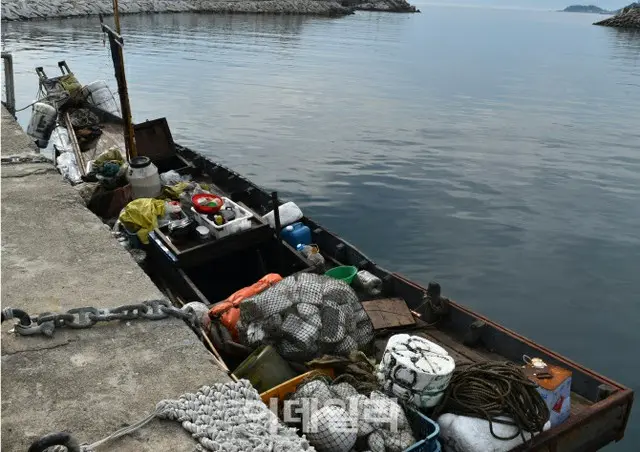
[[304, 316], [378, 420], [331, 430]]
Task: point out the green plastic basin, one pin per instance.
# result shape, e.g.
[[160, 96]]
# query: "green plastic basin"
[[345, 273]]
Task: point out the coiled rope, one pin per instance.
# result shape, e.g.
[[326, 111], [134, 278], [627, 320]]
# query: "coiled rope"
[[223, 417], [497, 392]]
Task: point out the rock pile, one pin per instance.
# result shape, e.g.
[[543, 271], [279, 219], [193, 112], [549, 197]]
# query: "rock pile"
[[396, 6], [628, 17], [47, 9]]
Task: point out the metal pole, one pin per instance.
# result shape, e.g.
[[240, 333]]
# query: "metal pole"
[[9, 83]]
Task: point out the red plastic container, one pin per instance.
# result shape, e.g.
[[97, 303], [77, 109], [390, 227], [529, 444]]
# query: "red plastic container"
[[206, 203]]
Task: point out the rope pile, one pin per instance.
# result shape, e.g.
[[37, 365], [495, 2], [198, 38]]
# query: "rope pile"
[[356, 369], [231, 417], [224, 417], [497, 392]]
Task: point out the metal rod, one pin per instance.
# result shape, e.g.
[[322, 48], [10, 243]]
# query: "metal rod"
[[276, 211], [276, 220], [9, 82]]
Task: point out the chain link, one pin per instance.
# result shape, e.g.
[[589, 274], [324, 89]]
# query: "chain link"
[[20, 159], [88, 316]]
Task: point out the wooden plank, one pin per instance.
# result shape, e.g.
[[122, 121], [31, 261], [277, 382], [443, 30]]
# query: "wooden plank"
[[388, 313]]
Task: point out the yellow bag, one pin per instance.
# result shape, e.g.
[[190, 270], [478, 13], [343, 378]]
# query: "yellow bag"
[[143, 213]]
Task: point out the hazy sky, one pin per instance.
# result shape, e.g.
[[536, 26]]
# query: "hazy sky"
[[535, 4]]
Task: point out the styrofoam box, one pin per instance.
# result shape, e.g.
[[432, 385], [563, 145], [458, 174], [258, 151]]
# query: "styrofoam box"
[[242, 221]]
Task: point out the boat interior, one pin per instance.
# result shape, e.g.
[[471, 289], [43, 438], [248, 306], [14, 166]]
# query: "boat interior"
[[189, 270]]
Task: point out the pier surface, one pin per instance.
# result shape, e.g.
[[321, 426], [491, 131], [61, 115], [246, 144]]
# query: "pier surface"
[[56, 255]]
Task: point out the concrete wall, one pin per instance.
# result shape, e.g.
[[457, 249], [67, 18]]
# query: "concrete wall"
[[45, 9]]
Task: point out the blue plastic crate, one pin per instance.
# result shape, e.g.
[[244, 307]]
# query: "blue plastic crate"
[[424, 428]]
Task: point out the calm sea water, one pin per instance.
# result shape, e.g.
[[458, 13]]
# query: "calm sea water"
[[496, 151]]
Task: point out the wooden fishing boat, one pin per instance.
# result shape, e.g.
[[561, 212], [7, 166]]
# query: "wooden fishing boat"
[[209, 272], [600, 407]]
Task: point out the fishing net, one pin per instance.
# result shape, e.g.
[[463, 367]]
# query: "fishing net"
[[83, 118], [339, 419], [304, 316]]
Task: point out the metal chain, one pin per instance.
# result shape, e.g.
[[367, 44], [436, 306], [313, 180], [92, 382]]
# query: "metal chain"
[[21, 159], [86, 317]]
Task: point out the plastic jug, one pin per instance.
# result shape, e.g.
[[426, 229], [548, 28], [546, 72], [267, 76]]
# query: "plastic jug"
[[296, 233], [144, 178]]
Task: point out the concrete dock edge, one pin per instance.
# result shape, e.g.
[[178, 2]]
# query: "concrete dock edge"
[[56, 255]]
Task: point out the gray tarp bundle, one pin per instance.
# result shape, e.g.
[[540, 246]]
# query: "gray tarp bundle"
[[304, 316]]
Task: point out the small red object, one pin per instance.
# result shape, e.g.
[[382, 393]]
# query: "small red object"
[[207, 203], [558, 405]]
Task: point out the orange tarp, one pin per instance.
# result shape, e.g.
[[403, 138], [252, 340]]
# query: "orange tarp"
[[227, 312]]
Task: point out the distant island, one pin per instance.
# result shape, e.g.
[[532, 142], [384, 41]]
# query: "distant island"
[[585, 9]]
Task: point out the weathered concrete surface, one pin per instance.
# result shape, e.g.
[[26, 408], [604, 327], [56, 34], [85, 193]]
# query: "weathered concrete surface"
[[55, 256]]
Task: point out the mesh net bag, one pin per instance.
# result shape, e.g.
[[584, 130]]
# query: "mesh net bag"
[[304, 316], [341, 419]]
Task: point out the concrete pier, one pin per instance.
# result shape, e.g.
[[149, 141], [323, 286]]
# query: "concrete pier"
[[56, 255]]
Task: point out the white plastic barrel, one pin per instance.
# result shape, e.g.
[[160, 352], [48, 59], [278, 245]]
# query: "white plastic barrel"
[[144, 178], [99, 95], [43, 120]]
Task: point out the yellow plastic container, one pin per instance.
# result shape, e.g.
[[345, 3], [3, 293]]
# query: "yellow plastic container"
[[283, 390]]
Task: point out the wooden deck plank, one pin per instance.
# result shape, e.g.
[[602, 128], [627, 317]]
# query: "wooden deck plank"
[[388, 313]]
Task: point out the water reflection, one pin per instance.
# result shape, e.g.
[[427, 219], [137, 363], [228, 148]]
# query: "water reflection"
[[625, 43]]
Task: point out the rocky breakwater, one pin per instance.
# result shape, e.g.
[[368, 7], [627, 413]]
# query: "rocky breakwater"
[[392, 6], [47, 9], [628, 17]]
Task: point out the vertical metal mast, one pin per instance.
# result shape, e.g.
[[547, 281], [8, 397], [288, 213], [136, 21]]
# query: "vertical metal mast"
[[116, 43]]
